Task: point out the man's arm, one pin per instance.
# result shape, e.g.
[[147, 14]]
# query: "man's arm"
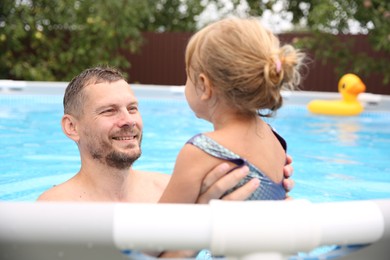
[[219, 180]]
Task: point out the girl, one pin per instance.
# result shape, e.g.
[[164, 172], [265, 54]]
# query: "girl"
[[235, 72]]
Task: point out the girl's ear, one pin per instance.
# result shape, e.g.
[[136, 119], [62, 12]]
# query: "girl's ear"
[[69, 127], [207, 90]]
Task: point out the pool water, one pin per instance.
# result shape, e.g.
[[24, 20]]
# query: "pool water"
[[335, 159]]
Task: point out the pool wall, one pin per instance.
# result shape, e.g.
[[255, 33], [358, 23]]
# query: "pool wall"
[[371, 102], [45, 230]]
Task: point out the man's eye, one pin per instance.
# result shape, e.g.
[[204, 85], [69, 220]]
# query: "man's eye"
[[107, 111], [133, 109]]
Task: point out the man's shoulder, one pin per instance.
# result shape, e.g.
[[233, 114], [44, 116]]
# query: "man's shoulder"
[[61, 192], [50, 194], [157, 179], [153, 175], [147, 186]]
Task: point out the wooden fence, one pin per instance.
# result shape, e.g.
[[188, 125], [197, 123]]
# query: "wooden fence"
[[161, 62]]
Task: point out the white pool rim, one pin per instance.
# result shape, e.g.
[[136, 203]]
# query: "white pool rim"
[[240, 230], [371, 102]]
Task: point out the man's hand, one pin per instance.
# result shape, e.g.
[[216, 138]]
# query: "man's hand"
[[288, 170], [221, 179]]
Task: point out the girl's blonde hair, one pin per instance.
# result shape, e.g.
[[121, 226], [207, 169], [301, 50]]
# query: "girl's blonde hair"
[[245, 64]]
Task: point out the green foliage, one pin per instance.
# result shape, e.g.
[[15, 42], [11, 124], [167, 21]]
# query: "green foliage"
[[179, 15], [326, 18], [172, 15], [55, 40]]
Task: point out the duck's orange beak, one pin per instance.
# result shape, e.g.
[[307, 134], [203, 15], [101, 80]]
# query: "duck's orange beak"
[[357, 88]]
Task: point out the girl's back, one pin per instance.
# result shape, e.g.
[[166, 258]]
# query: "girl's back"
[[256, 143], [249, 141]]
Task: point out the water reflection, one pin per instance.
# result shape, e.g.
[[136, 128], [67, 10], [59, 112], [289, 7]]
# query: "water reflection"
[[348, 132], [345, 132]]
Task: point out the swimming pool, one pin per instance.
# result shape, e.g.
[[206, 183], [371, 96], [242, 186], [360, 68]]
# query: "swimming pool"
[[335, 159]]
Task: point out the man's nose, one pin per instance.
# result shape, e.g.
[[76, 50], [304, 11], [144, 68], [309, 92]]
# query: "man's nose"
[[126, 119]]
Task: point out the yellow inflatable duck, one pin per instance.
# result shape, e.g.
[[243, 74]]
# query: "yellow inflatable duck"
[[350, 86]]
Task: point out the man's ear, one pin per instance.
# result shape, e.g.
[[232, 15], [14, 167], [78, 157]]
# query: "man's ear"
[[69, 127], [206, 87]]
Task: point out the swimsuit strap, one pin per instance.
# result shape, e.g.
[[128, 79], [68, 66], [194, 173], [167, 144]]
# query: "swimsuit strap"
[[280, 139]]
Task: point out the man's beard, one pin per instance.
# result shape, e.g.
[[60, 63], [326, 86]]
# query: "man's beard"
[[115, 159], [120, 160]]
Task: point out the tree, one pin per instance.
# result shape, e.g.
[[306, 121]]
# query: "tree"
[[325, 19], [55, 40], [172, 15]]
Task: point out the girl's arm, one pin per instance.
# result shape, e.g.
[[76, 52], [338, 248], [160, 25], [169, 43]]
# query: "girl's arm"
[[191, 167]]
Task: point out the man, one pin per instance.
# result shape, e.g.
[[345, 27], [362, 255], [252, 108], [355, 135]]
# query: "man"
[[101, 115]]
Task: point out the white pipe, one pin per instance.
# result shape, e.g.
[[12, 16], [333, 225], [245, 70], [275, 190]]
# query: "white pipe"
[[162, 226], [292, 226], [56, 223], [233, 229], [349, 223], [266, 226], [236, 228]]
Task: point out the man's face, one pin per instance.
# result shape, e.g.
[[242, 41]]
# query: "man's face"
[[111, 125]]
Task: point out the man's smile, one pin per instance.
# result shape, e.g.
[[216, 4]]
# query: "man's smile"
[[124, 138]]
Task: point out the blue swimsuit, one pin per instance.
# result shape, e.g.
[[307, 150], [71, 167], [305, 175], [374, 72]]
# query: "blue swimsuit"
[[268, 189]]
